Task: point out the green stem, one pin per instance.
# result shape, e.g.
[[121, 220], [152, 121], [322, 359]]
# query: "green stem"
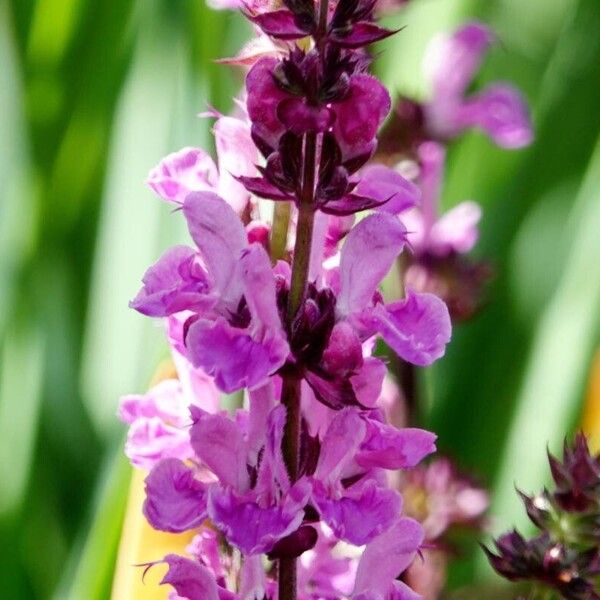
[[279, 232], [291, 389], [290, 393]]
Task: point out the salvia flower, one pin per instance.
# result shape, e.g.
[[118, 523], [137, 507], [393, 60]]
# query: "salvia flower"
[[308, 93], [451, 63], [440, 242], [193, 170], [565, 556], [235, 334], [499, 110], [303, 469]]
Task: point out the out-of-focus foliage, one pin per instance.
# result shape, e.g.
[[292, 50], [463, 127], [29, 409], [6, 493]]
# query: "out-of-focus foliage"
[[92, 94]]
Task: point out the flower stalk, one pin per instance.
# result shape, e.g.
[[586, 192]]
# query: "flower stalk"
[[290, 395]]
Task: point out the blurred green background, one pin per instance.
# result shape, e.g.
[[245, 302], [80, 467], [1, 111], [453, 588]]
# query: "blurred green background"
[[93, 94]]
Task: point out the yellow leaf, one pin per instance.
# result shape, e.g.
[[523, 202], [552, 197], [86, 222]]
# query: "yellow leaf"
[[141, 544], [591, 413]]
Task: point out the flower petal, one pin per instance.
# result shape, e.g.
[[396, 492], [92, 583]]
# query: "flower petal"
[[359, 115], [232, 356], [367, 255], [253, 579], [190, 579], [219, 444], [343, 353], [263, 98], [368, 381], [185, 171], [387, 447], [387, 556], [456, 231], [501, 112], [219, 234], [388, 186], [451, 61], [251, 528], [417, 328], [163, 400], [175, 500], [259, 288], [174, 283], [237, 155], [150, 439], [272, 472], [362, 514], [340, 443]]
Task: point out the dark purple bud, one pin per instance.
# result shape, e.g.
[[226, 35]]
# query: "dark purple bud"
[[274, 172], [361, 34], [264, 147], [351, 11], [568, 570], [360, 114], [290, 151], [539, 509], [349, 205], [263, 189], [295, 544], [335, 393], [312, 326], [331, 156], [264, 95], [335, 186], [282, 24], [577, 478]]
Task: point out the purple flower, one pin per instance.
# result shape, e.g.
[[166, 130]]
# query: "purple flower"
[[158, 424], [456, 231], [175, 499], [336, 323], [347, 489], [440, 497], [439, 241], [283, 104], [235, 334], [417, 328], [384, 559], [180, 173], [193, 170], [499, 110], [324, 571], [252, 502]]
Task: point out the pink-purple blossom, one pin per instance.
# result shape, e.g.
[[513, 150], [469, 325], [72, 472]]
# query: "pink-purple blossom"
[[499, 110], [193, 170], [303, 467]]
